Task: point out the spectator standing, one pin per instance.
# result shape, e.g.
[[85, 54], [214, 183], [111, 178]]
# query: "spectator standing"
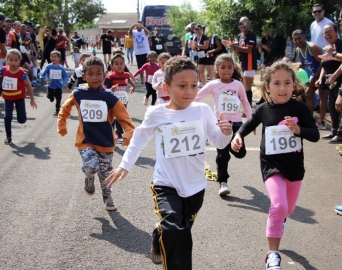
[[77, 41], [188, 36], [106, 40], [140, 34], [3, 50], [316, 28], [129, 49], [158, 42], [61, 41], [49, 45], [122, 41]]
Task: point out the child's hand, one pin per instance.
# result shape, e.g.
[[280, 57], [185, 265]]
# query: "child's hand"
[[132, 90], [114, 87], [236, 143], [114, 175], [292, 125], [63, 132], [69, 90], [64, 85], [225, 126], [33, 104]]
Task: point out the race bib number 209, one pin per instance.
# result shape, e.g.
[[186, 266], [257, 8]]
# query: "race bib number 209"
[[94, 110]]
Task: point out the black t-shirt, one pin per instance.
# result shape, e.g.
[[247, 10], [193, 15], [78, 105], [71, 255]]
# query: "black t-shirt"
[[277, 49], [332, 65], [290, 165], [200, 41], [2, 36], [266, 41], [248, 60], [106, 42], [49, 45], [157, 43], [77, 41]]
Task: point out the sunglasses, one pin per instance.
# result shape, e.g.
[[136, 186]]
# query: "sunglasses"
[[244, 23], [317, 11]]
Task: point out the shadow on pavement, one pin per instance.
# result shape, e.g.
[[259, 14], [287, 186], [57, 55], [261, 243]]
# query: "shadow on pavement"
[[260, 203], [125, 236], [141, 162], [298, 259], [31, 149]]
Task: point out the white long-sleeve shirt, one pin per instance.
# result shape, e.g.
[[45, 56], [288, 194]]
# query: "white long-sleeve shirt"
[[184, 173], [157, 78]]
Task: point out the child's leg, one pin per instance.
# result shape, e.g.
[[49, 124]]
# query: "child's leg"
[[222, 159], [8, 104], [151, 92], [21, 111], [90, 167], [119, 128], [242, 153], [177, 216], [105, 166], [283, 195], [58, 96], [50, 94]]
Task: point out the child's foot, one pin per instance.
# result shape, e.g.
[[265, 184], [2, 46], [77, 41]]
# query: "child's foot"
[[145, 101], [224, 190], [89, 186], [155, 249], [8, 141], [109, 204], [273, 261], [120, 140], [56, 113]]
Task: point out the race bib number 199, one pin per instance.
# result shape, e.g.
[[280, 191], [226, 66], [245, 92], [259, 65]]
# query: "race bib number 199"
[[229, 104], [94, 110], [183, 139], [280, 139]]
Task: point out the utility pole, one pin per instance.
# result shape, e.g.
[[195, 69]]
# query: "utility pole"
[[138, 13]]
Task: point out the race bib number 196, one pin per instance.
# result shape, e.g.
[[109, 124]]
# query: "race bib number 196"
[[183, 139], [280, 139], [94, 110]]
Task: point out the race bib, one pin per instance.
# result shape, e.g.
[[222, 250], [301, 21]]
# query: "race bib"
[[183, 139], [94, 110], [78, 73], [149, 78], [228, 104], [159, 46], [9, 84], [280, 139], [83, 85], [201, 54], [55, 74], [160, 79], [122, 95], [22, 49]]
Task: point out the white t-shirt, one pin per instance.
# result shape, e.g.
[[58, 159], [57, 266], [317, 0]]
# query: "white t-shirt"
[[140, 42], [316, 31], [183, 173]]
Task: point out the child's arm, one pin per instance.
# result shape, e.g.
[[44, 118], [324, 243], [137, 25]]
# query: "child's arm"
[[133, 86], [43, 74], [64, 114], [107, 84], [71, 81], [244, 101], [155, 83], [30, 90], [65, 77], [140, 70], [205, 91], [132, 78]]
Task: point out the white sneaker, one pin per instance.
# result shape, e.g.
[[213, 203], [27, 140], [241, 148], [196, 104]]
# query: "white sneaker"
[[224, 190], [145, 101], [199, 84]]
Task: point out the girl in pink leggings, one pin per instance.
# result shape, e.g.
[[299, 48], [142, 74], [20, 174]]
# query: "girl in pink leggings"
[[285, 123]]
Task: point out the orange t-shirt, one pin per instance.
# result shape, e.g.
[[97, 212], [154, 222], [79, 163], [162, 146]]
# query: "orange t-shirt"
[[10, 37]]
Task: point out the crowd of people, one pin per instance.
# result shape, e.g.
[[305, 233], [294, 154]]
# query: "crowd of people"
[[180, 122]]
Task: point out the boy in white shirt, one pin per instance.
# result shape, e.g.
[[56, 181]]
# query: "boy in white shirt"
[[182, 128]]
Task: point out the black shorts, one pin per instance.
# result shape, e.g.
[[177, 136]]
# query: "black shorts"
[[107, 51], [141, 59], [62, 51]]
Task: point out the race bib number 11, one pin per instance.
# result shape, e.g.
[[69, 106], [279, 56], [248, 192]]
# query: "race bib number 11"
[[280, 139], [184, 139]]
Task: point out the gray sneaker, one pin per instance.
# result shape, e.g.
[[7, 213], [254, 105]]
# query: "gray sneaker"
[[109, 204], [89, 186], [321, 125]]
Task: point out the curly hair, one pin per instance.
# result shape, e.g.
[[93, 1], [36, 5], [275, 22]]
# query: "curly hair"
[[93, 60], [227, 57], [118, 55], [164, 56], [298, 88], [176, 65]]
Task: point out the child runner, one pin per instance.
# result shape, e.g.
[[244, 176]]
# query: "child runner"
[[97, 109], [14, 81], [77, 76], [228, 93], [57, 77], [76, 56], [182, 128], [117, 81], [285, 123], [94, 51], [158, 79], [150, 68]]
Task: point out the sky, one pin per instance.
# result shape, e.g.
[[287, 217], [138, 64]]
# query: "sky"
[[131, 5]]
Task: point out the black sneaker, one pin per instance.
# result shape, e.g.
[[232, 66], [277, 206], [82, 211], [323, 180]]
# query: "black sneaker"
[[89, 186], [273, 261], [8, 141], [155, 251], [50, 96]]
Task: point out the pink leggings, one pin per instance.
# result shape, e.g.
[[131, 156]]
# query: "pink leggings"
[[283, 195]]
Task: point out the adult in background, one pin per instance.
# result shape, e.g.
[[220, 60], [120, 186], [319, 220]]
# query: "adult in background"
[[331, 69], [129, 49], [61, 41], [10, 39], [316, 27], [308, 53], [140, 35], [3, 50], [106, 41], [246, 49], [77, 41], [49, 45], [190, 28], [158, 42], [122, 41]]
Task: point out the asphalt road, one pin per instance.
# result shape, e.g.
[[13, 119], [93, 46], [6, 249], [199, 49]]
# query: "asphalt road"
[[47, 221]]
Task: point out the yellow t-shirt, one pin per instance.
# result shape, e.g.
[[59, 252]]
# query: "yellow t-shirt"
[[128, 42]]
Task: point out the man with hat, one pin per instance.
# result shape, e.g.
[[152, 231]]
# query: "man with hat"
[[190, 28], [3, 50], [107, 40]]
